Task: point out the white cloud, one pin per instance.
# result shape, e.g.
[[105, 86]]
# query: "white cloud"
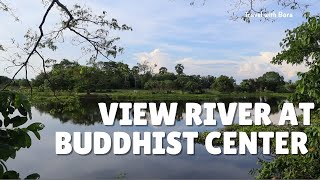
[[246, 67], [255, 66], [191, 34], [208, 67], [155, 57]]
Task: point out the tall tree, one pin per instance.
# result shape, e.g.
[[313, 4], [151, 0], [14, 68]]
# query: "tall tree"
[[94, 41], [163, 70], [248, 85], [224, 84], [271, 81], [301, 46], [179, 69]]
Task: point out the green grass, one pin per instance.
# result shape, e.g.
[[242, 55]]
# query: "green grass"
[[145, 95]]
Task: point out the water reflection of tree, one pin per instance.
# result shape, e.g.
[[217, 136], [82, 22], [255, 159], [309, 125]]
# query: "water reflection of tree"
[[82, 111], [85, 110], [274, 102]]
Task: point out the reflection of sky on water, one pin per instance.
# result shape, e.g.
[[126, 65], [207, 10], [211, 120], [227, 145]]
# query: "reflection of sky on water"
[[41, 156]]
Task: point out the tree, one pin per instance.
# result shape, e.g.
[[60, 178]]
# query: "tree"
[[206, 81], [301, 45], [15, 110], [94, 41], [63, 75], [88, 80], [135, 73], [181, 81], [271, 81], [179, 69], [224, 84], [290, 86], [165, 76], [89, 31], [163, 70], [146, 67], [193, 87], [248, 85], [4, 80]]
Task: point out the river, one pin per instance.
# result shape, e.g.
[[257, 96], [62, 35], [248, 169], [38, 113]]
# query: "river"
[[85, 116]]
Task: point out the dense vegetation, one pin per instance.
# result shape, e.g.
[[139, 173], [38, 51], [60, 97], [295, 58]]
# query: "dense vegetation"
[[105, 76], [300, 46], [15, 110]]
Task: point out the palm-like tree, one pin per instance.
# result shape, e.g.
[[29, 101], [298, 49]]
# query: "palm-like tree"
[[179, 69]]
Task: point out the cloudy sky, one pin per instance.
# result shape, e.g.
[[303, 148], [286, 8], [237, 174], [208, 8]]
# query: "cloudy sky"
[[202, 37]]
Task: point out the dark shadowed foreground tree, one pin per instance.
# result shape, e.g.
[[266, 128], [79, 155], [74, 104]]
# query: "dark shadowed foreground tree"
[[301, 46], [15, 110]]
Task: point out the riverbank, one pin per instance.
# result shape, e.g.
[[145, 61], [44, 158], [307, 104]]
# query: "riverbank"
[[144, 95]]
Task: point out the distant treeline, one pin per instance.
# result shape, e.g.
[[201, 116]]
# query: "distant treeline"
[[104, 76]]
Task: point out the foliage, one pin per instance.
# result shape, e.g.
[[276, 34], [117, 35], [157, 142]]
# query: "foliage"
[[15, 109], [192, 87], [295, 166], [224, 84], [308, 87], [166, 85], [271, 81], [179, 69], [300, 46], [282, 166], [103, 76], [163, 70], [3, 80], [248, 85]]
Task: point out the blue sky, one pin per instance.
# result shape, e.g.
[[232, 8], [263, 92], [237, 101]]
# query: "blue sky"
[[166, 32]]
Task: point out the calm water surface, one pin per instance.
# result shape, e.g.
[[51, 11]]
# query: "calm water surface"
[[85, 116]]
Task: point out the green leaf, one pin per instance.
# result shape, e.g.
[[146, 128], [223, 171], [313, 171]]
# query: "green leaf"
[[18, 121], [33, 176], [13, 155], [5, 151], [27, 140], [1, 171], [22, 111], [35, 127], [36, 133], [10, 110], [6, 121], [11, 175]]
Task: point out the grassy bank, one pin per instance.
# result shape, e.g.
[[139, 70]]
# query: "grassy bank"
[[144, 95]]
